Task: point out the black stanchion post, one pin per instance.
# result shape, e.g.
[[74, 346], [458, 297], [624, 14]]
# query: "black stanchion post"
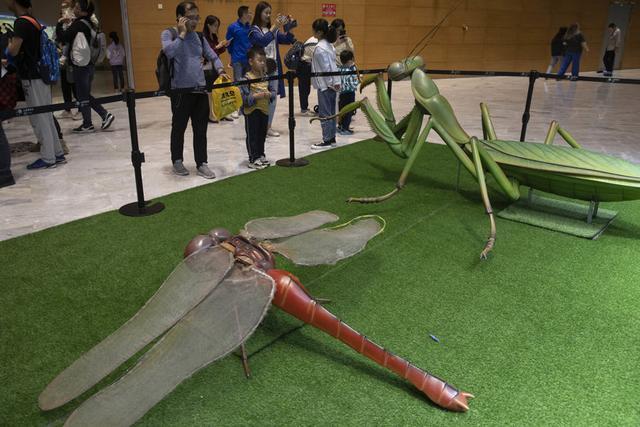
[[141, 207], [533, 75], [292, 161], [389, 85]]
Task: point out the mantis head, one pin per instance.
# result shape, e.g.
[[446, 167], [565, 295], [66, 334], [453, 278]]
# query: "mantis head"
[[402, 69]]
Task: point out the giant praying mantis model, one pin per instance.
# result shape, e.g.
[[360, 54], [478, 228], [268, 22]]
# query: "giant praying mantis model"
[[210, 305], [566, 171]]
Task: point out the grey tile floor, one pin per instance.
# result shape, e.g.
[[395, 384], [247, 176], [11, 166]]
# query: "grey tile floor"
[[99, 176]]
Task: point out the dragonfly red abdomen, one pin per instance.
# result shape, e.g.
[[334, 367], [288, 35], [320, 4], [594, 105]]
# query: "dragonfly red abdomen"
[[293, 298]]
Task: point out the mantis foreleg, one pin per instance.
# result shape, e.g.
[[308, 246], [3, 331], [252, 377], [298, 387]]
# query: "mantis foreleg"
[[405, 172], [382, 97]]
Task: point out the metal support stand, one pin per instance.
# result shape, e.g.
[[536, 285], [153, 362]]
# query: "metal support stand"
[[292, 161], [533, 75], [593, 211], [141, 207], [389, 86], [245, 361]]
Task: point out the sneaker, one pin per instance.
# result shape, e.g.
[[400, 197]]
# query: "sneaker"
[[65, 148], [40, 164], [61, 160], [263, 161], [272, 133], [306, 113], [323, 145], [347, 132], [77, 116], [7, 181], [205, 172], [64, 115], [179, 169], [227, 119], [256, 165], [106, 122], [213, 121], [235, 115], [84, 129]]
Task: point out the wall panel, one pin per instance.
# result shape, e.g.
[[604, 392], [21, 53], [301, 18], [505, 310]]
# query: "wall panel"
[[501, 35]]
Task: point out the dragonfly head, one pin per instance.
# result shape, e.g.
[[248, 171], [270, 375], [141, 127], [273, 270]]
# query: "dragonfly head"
[[202, 241], [402, 69]]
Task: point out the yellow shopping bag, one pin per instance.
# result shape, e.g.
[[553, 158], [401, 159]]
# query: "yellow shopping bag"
[[225, 100]]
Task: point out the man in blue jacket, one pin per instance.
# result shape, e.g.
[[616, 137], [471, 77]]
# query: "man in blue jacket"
[[238, 34]]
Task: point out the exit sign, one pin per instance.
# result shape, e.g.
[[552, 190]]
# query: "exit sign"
[[329, 9]]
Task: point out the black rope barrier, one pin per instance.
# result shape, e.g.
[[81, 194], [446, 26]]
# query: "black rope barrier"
[[143, 208]]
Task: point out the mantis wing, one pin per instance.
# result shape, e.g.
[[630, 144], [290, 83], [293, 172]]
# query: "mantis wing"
[[212, 330], [191, 281], [277, 227], [328, 246]]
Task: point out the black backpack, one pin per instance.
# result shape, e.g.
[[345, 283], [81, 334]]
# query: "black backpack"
[[164, 65], [294, 56]]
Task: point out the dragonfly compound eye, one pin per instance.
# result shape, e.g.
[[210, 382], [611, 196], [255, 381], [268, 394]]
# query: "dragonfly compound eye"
[[199, 242], [220, 235]]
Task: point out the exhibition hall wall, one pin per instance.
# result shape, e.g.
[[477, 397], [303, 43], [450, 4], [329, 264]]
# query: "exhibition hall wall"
[[501, 34]]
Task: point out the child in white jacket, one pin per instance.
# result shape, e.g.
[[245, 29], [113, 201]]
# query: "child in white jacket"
[[324, 60]]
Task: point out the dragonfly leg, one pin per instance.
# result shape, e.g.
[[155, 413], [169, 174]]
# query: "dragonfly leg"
[[245, 361]]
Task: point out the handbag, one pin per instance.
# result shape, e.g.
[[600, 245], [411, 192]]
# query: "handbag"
[[225, 100]]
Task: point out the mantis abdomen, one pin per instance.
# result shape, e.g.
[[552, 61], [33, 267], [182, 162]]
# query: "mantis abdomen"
[[291, 297]]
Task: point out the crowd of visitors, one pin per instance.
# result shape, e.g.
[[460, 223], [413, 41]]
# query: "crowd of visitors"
[[253, 44]]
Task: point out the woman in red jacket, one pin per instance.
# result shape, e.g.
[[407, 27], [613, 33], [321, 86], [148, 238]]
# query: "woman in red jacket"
[[210, 33]]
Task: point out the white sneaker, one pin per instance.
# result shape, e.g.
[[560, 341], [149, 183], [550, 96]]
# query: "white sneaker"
[[263, 161], [272, 133], [64, 115], [235, 115], [256, 165]]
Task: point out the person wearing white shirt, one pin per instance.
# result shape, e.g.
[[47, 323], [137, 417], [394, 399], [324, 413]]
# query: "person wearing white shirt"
[[116, 56], [324, 60], [613, 45]]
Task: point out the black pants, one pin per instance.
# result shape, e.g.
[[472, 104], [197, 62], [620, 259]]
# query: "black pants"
[[68, 89], [304, 84], [118, 76], [609, 59], [83, 77], [256, 125], [194, 106], [5, 157], [346, 98]]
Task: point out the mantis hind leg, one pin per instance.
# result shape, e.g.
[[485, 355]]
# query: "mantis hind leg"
[[477, 161], [554, 128]]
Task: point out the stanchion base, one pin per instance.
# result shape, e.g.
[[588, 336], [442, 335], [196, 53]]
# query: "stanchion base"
[[287, 163], [132, 209]]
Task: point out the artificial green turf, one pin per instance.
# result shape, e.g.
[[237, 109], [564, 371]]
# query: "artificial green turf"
[[544, 332]]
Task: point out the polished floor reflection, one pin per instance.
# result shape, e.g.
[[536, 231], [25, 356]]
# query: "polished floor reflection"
[[99, 176]]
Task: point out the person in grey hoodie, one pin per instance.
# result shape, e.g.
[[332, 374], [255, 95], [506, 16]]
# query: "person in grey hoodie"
[[186, 48]]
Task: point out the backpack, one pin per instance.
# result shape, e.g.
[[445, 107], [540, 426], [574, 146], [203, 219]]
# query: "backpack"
[[48, 62], [97, 45], [294, 56], [164, 65]]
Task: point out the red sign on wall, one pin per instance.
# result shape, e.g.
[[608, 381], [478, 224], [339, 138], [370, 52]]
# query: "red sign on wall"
[[329, 9]]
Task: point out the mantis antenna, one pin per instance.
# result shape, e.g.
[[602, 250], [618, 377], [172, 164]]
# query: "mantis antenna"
[[432, 33]]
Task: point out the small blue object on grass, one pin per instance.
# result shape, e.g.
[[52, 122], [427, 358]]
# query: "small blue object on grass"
[[433, 337]]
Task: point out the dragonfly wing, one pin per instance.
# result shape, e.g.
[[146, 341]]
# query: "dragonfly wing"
[[328, 246], [213, 329], [189, 283], [277, 227]]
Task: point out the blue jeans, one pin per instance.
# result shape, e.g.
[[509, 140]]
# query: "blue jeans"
[[239, 69], [570, 58], [326, 108]]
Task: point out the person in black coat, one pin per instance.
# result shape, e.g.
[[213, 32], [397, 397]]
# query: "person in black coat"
[[557, 49]]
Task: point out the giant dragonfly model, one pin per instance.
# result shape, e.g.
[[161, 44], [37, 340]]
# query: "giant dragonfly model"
[[566, 171], [210, 305]]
